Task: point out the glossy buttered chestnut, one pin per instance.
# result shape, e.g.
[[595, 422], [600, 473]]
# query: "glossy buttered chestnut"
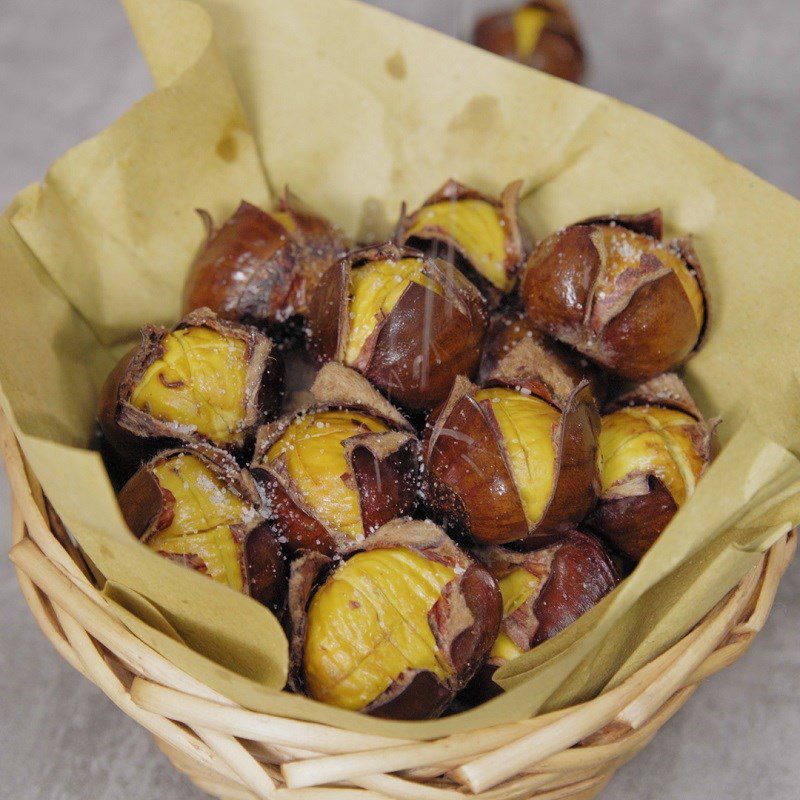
[[338, 467], [655, 447], [480, 234], [206, 380], [543, 592], [610, 288], [541, 34], [197, 507], [261, 267], [505, 465], [397, 628], [409, 323]]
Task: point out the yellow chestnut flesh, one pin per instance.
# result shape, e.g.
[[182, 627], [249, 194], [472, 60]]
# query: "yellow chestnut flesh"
[[313, 447], [369, 622], [652, 441], [479, 230], [374, 291], [198, 381], [528, 26], [515, 589], [203, 514], [285, 219], [624, 249], [527, 424]]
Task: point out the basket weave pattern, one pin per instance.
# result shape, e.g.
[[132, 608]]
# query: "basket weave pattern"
[[237, 754]]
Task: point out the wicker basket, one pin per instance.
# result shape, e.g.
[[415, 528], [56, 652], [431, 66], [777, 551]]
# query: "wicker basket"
[[237, 754]]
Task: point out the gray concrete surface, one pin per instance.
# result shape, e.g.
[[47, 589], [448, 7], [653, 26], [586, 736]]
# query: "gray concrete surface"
[[726, 71]]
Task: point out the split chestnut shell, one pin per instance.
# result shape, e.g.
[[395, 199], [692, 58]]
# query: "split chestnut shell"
[[397, 628]]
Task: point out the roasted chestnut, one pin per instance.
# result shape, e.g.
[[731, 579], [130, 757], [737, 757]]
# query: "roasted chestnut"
[[397, 628], [655, 446], [541, 34], [261, 267], [340, 466], [543, 592], [407, 322], [509, 466], [480, 234], [612, 290], [194, 505], [206, 380]]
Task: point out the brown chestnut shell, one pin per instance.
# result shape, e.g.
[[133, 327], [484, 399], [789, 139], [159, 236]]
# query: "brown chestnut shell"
[[133, 434], [465, 620], [384, 466], [644, 326], [146, 507], [261, 269], [470, 482], [427, 339]]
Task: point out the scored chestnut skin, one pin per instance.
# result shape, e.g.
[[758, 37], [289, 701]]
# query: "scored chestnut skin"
[[543, 591], [339, 466], [540, 34], [223, 535], [261, 267], [611, 289], [656, 446], [421, 322], [206, 380], [481, 235], [409, 583], [508, 466]]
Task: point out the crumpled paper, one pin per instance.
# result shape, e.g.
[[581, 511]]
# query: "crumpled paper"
[[357, 110]]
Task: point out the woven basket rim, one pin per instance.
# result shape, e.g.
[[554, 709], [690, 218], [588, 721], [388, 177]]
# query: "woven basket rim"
[[233, 753]]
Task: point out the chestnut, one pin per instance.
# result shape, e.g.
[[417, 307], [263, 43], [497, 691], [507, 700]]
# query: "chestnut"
[[407, 322], [339, 466], [261, 267], [541, 34], [611, 289], [655, 446], [506, 465], [543, 592], [397, 628], [194, 505], [481, 235], [206, 380]]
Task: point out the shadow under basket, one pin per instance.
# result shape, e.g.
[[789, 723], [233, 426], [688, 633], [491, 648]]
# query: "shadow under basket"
[[236, 754]]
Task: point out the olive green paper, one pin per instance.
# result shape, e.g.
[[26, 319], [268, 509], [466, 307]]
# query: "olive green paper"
[[357, 110]]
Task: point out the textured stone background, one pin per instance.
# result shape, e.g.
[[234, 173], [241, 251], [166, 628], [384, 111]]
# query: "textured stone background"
[[725, 71]]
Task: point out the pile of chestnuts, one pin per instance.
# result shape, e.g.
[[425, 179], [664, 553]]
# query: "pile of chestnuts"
[[493, 433]]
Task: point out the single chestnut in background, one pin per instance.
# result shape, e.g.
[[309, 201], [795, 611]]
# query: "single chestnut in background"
[[397, 629], [543, 592], [407, 322], [612, 290], [206, 380], [509, 466], [338, 467], [655, 446], [194, 505], [541, 34], [261, 267], [480, 234]]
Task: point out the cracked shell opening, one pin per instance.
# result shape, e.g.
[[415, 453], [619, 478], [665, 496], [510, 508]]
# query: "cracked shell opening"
[[528, 25], [515, 588]]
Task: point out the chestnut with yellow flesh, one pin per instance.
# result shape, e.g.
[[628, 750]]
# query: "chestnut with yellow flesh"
[[374, 290], [527, 424], [199, 381], [624, 249], [528, 25], [202, 516], [478, 229], [651, 440], [284, 218], [315, 460], [515, 588], [369, 623]]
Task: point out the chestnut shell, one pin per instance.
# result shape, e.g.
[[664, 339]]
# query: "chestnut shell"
[[465, 620]]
